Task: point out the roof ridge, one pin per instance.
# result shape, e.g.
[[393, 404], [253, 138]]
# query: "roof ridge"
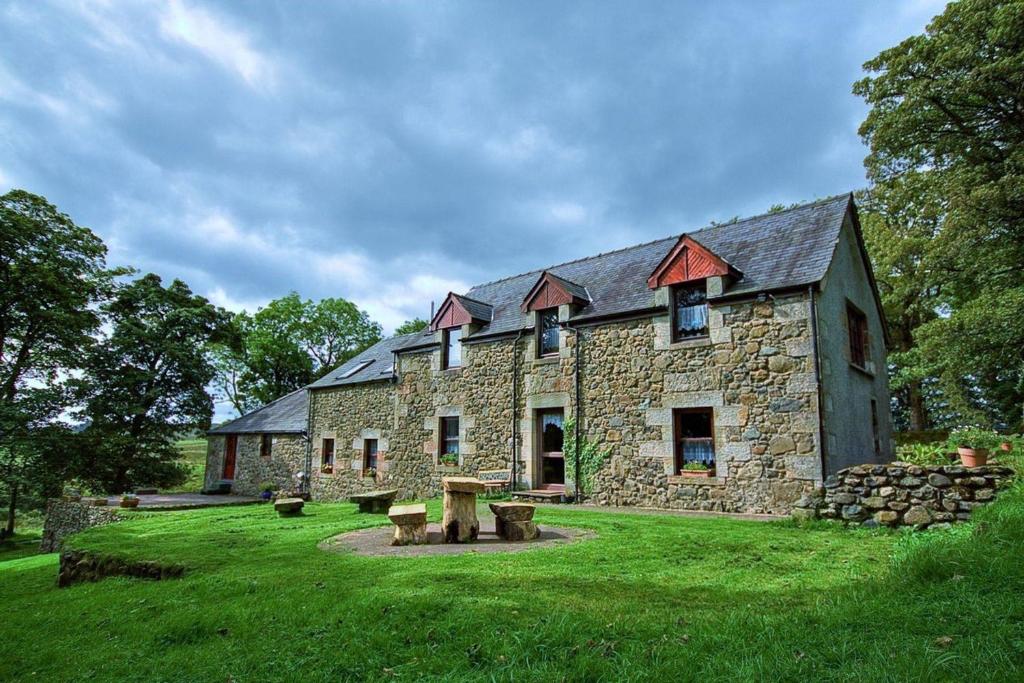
[[746, 219]]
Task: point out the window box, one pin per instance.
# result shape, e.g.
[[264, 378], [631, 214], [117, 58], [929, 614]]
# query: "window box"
[[697, 474]]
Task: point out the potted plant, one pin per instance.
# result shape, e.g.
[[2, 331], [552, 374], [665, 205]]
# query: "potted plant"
[[129, 500], [972, 445], [1006, 446], [450, 459], [697, 469], [370, 472], [266, 491]]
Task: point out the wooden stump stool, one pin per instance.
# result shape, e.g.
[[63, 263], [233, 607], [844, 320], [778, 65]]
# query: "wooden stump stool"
[[514, 521], [288, 506], [459, 523], [410, 524]]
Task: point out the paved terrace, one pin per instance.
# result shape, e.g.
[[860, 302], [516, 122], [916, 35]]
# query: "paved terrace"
[[184, 501]]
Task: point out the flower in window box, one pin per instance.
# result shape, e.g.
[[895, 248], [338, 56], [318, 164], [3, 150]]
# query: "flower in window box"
[[370, 472], [327, 469], [697, 468], [450, 459]]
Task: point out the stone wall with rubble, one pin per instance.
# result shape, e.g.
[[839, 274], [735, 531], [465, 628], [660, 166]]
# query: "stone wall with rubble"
[[902, 494], [755, 370], [351, 414], [252, 470], [64, 518]]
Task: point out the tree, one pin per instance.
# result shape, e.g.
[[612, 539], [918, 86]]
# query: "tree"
[[291, 342], [52, 274], [948, 107], [410, 326], [146, 383]]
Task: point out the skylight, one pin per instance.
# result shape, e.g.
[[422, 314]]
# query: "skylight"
[[348, 373]]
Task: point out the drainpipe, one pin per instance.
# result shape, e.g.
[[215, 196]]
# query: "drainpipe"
[[515, 409], [306, 485], [578, 411], [817, 381]]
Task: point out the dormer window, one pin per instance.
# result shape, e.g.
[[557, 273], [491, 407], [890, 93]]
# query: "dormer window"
[[547, 332], [452, 348], [689, 311]]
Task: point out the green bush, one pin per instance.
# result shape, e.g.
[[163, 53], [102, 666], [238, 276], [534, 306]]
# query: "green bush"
[[924, 454]]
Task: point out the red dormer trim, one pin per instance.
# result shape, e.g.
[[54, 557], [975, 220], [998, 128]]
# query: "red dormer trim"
[[689, 260], [453, 313], [550, 291]]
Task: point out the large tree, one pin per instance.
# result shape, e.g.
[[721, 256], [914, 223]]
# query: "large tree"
[[146, 383], [52, 274], [410, 326], [947, 107]]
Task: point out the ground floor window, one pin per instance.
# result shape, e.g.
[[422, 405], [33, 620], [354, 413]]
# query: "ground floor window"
[[327, 456], [370, 454], [694, 430], [266, 444], [448, 451]]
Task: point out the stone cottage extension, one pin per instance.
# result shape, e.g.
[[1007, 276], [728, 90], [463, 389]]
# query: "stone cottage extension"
[[755, 349]]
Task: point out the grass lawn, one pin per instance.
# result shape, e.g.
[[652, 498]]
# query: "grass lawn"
[[651, 598]]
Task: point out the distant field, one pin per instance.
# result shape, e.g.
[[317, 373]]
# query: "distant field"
[[193, 454]]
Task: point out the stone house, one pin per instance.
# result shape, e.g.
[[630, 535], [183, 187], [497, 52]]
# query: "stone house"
[[753, 350]]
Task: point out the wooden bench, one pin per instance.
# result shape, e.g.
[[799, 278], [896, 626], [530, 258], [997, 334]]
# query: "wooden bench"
[[376, 502], [495, 480], [514, 521], [410, 524]]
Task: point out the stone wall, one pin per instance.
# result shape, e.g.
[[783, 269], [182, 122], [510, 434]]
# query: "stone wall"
[[350, 415], [287, 458], [64, 518], [901, 494]]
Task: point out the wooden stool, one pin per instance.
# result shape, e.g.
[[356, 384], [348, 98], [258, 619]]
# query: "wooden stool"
[[459, 523], [410, 524], [514, 521]]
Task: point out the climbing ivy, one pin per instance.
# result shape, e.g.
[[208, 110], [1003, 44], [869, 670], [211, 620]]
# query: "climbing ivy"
[[591, 456]]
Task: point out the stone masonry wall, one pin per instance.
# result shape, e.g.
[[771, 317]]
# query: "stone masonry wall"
[[64, 518], [350, 415], [287, 458], [901, 494]]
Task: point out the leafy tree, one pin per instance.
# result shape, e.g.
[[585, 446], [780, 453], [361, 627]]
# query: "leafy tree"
[[52, 274], [146, 382], [410, 326], [946, 113]]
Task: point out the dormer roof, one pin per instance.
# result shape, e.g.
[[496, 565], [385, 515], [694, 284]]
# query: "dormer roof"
[[457, 310], [550, 290], [689, 260]]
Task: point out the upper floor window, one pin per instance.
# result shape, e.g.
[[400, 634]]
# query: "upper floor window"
[[547, 332], [689, 311], [453, 348], [857, 325], [266, 444]]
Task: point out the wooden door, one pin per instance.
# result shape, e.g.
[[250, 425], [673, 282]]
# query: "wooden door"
[[230, 451], [549, 439]]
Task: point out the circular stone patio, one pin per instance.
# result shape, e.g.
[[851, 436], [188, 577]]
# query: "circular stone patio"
[[376, 541]]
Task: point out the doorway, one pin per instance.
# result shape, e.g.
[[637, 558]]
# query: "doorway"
[[550, 437], [230, 449]]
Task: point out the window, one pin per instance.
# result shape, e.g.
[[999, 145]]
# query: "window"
[[266, 443], [874, 428], [857, 324], [327, 456], [452, 348], [547, 332], [370, 454], [355, 368], [689, 311], [694, 430], [449, 446]]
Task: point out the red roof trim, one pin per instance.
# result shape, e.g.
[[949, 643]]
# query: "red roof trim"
[[549, 292], [687, 261], [452, 313]]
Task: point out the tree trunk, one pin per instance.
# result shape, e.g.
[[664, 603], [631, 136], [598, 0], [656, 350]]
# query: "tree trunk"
[[12, 506], [918, 411]]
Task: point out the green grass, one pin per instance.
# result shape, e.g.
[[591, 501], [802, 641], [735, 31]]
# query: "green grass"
[[651, 598], [193, 456]]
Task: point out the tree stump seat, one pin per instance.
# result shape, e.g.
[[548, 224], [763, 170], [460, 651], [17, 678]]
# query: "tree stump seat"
[[459, 523], [376, 502], [514, 521], [410, 524]]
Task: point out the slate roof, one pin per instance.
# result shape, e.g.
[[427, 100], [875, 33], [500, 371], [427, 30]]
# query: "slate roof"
[[478, 309], [285, 415], [773, 251], [373, 364], [578, 291]]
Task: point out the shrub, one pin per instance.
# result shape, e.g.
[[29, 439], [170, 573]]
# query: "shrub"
[[924, 454]]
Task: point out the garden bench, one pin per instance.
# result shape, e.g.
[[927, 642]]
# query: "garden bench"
[[514, 521], [495, 480], [410, 524], [374, 501], [288, 506], [459, 523]]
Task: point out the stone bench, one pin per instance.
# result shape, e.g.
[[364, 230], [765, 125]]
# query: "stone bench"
[[376, 502], [514, 521], [288, 506], [410, 524]]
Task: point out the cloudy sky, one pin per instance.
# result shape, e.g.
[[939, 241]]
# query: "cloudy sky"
[[389, 152]]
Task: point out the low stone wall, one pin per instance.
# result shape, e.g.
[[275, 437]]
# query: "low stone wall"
[[902, 494], [78, 566], [64, 518]]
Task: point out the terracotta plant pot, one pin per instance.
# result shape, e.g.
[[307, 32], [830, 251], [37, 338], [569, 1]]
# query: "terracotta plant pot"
[[1006, 446], [130, 502], [973, 457], [702, 474]]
